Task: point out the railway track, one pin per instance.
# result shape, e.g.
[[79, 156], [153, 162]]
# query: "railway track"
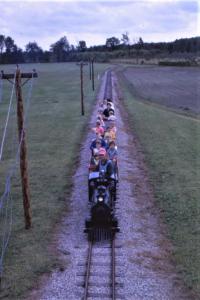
[[103, 259], [108, 86], [101, 281]]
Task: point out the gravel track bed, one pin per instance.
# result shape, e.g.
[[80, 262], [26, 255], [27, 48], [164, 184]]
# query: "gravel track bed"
[[143, 267]]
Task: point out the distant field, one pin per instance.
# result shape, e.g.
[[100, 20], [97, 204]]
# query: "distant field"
[[176, 87], [171, 144], [54, 135]]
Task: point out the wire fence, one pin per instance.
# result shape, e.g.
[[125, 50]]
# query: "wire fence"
[[6, 200], [1, 87]]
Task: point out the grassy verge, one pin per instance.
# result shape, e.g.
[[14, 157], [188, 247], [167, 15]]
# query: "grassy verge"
[[171, 144], [55, 131]]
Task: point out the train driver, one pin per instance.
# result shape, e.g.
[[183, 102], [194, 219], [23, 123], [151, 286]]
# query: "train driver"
[[105, 165]]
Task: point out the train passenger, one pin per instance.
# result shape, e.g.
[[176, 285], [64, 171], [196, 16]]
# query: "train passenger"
[[100, 110], [111, 117], [106, 111], [100, 118], [97, 144], [112, 155], [94, 161], [113, 127], [112, 151], [110, 135], [98, 129], [112, 105], [104, 103], [107, 136]]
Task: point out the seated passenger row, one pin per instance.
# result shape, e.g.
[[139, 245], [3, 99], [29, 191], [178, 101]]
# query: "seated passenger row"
[[103, 148]]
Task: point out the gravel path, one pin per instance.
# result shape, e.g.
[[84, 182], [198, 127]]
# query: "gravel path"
[[144, 268]]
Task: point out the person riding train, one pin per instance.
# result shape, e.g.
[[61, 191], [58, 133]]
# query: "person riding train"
[[105, 165], [98, 129], [111, 117], [98, 143], [94, 161], [109, 135], [107, 110], [103, 171], [112, 151], [112, 155]]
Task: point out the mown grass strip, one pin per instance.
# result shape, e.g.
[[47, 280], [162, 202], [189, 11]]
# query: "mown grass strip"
[[55, 132], [171, 144]]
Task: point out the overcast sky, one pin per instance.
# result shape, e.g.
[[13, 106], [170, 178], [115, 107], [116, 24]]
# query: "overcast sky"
[[94, 21]]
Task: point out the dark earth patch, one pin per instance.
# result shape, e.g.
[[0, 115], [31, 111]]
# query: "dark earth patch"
[[176, 87]]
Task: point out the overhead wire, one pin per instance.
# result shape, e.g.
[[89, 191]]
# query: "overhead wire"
[[7, 118], [14, 165]]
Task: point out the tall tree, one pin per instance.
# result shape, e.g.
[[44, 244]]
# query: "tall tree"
[[112, 42], [60, 49], [10, 50], [125, 39], [33, 52], [9, 44], [72, 48], [2, 43], [82, 46], [140, 43], [17, 56], [138, 46]]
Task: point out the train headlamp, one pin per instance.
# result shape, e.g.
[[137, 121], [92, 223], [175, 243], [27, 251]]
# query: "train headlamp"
[[100, 199]]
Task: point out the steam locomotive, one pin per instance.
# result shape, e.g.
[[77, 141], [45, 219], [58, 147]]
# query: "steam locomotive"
[[102, 197]]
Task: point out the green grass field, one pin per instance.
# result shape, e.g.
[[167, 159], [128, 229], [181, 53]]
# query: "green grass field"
[[171, 144], [55, 131]]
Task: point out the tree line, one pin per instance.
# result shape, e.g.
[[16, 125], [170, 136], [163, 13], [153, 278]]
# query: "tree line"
[[62, 50]]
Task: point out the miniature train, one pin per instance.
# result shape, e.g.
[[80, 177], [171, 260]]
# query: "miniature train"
[[103, 177]]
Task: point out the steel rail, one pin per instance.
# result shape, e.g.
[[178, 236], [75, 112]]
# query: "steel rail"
[[87, 276], [113, 270]]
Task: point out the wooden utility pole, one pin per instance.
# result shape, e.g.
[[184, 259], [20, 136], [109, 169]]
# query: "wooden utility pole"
[[81, 64], [93, 74], [23, 152], [90, 69], [22, 140]]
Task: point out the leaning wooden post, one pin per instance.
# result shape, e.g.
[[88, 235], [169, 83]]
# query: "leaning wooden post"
[[23, 151]]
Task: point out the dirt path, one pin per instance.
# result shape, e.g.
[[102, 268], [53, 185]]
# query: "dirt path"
[[144, 265]]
